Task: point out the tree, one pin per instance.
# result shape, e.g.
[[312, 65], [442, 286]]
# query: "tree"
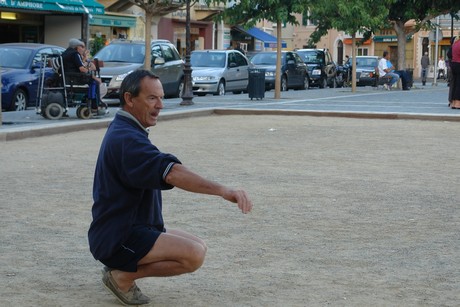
[[155, 8], [349, 16], [420, 11], [249, 12]]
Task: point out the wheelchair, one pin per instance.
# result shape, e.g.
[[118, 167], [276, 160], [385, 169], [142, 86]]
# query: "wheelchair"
[[59, 91]]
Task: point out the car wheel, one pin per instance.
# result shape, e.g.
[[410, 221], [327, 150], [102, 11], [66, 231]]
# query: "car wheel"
[[220, 89], [19, 102], [284, 86], [180, 89], [306, 83], [323, 83]]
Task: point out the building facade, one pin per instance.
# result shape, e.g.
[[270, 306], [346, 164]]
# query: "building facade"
[[46, 21], [54, 22]]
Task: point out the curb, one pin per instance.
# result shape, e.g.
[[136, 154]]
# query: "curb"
[[368, 115], [59, 128], [90, 124]]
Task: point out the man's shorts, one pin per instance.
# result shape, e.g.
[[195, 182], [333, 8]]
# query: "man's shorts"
[[138, 244]]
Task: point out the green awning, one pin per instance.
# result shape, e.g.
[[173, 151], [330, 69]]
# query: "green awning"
[[389, 39], [67, 6], [113, 21]]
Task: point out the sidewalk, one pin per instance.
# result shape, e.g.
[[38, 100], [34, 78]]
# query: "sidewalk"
[[422, 102]]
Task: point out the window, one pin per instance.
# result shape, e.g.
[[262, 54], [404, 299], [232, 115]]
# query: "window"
[[297, 58], [231, 58], [168, 53], [38, 57], [306, 20], [240, 60], [363, 51], [156, 52]]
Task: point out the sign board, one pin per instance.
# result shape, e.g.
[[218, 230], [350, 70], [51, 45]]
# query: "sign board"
[[432, 36]]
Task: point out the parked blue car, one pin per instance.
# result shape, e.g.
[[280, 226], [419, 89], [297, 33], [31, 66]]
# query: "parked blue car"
[[20, 69]]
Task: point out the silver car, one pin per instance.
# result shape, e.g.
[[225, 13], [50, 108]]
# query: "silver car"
[[121, 57], [219, 71]]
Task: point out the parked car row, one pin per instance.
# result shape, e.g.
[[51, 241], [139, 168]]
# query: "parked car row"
[[213, 71], [294, 73]]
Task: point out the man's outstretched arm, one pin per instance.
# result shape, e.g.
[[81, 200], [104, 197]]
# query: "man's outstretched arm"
[[181, 177]]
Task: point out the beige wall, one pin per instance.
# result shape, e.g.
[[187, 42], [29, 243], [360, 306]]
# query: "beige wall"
[[56, 25]]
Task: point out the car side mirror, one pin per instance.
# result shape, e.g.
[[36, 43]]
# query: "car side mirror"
[[232, 64], [158, 61]]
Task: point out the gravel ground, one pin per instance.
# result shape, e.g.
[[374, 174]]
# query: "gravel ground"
[[347, 212]]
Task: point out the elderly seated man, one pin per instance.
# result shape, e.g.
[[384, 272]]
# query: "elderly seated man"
[[385, 71], [79, 71]]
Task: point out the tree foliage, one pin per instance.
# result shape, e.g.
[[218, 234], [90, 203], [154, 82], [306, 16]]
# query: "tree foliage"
[[349, 16], [421, 12], [152, 9], [248, 12]]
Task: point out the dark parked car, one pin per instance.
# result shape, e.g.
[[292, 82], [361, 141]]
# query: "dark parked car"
[[322, 70], [20, 69], [294, 72], [121, 57], [218, 71], [366, 67]]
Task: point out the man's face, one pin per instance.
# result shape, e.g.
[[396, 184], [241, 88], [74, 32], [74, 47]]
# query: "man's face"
[[81, 49], [146, 107]]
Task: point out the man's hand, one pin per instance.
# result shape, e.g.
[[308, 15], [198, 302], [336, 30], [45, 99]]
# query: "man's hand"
[[240, 197]]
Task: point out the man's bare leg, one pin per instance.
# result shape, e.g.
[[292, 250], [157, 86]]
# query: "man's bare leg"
[[175, 252]]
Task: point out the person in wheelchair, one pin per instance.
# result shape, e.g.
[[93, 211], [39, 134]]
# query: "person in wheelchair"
[[80, 71]]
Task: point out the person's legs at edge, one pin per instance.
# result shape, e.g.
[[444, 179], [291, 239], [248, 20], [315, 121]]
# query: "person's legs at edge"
[[394, 78], [174, 253], [455, 85]]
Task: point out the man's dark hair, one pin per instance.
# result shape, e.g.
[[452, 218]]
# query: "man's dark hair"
[[385, 53], [132, 83]]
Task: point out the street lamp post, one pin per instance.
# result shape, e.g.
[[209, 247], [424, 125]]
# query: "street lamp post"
[[187, 95]]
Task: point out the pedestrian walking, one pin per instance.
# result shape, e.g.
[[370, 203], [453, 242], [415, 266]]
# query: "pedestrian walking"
[[425, 64], [441, 68]]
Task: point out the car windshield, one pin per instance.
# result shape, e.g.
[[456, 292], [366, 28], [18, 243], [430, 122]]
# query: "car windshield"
[[208, 59], [264, 59], [129, 53], [366, 62], [11, 57], [311, 57]]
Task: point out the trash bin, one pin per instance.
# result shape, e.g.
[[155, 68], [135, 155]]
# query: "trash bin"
[[256, 85], [410, 77]]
